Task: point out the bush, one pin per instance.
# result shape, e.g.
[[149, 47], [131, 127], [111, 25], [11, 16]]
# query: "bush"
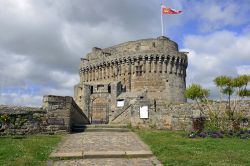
[[5, 118], [218, 119]]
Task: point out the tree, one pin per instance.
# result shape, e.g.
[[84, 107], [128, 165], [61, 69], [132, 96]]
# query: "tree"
[[225, 84], [197, 93], [240, 83], [229, 86]]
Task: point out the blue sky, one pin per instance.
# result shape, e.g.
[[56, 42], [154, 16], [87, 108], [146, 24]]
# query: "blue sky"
[[42, 41]]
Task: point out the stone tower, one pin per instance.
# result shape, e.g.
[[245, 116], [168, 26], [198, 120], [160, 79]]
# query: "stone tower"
[[151, 68]]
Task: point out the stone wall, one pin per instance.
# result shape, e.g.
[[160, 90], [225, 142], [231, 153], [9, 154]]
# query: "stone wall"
[[171, 116], [58, 114], [122, 115], [22, 120], [63, 113]]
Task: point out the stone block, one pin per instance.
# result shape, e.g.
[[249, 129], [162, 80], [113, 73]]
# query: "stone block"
[[68, 155], [104, 154], [136, 154]]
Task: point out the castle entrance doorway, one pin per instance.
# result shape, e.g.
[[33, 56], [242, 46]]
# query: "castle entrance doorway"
[[100, 111]]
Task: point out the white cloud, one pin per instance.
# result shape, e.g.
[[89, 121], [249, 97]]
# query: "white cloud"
[[218, 53], [42, 41], [214, 15], [14, 68], [244, 69], [21, 99], [64, 80]]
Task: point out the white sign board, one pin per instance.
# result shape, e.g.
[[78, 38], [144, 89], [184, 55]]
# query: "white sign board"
[[144, 112], [120, 103]]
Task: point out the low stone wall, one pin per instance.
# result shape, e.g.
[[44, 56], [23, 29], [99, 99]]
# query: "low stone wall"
[[22, 120], [60, 114], [57, 115], [63, 113], [175, 116]]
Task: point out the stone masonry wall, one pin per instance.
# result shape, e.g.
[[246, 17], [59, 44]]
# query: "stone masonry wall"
[[57, 115], [63, 113], [172, 116], [22, 120], [181, 116]]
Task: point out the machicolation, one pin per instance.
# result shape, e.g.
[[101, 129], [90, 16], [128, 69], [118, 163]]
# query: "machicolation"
[[111, 79]]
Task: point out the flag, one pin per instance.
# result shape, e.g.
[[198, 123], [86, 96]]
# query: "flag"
[[166, 10]]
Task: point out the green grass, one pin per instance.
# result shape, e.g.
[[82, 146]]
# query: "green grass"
[[174, 148], [27, 150]]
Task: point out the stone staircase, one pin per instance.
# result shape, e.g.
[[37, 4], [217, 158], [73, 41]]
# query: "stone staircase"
[[102, 145], [118, 112]]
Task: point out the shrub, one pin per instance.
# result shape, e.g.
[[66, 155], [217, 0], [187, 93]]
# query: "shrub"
[[5, 118], [218, 119]]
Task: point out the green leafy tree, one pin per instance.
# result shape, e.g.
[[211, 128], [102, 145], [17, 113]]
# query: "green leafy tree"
[[241, 83], [229, 86], [225, 84], [197, 93]]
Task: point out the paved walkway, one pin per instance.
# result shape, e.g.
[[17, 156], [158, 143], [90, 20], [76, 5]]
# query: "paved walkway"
[[103, 148]]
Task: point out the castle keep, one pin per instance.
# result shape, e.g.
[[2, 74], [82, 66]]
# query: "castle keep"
[[139, 83], [144, 73]]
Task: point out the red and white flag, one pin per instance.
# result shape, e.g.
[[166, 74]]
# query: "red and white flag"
[[166, 10]]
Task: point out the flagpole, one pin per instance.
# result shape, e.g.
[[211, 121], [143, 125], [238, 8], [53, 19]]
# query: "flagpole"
[[162, 25], [162, 22]]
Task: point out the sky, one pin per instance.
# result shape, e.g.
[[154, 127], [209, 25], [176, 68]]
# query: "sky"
[[42, 41]]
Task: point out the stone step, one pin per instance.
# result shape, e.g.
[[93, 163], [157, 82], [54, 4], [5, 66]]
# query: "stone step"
[[101, 154], [107, 130], [100, 127], [107, 126], [77, 129], [108, 161], [81, 129]]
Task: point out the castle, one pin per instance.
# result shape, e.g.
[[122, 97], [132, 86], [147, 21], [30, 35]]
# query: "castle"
[[139, 83], [146, 73]]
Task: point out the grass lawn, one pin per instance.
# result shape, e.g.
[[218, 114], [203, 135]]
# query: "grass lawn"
[[27, 150], [173, 148]]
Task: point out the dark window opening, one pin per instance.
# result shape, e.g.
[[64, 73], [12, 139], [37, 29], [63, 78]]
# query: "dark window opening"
[[139, 70], [91, 89], [109, 89]]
